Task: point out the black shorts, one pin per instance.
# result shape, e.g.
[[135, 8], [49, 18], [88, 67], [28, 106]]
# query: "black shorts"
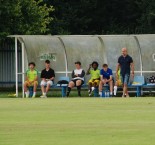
[[82, 82]]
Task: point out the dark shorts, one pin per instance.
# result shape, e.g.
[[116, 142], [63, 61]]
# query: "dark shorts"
[[108, 79], [125, 78], [82, 82]]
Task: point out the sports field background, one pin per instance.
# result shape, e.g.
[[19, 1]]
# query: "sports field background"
[[77, 121]]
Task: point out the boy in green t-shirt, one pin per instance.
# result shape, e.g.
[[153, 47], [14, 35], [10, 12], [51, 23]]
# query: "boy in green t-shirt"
[[31, 79], [95, 77]]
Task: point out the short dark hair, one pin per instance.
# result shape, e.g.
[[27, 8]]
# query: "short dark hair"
[[32, 63], [95, 62], [105, 65], [78, 62], [47, 61]]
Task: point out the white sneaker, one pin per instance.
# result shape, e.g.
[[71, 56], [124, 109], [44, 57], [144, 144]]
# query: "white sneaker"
[[89, 92], [33, 96], [92, 88], [100, 93], [27, 95], [43, 96]]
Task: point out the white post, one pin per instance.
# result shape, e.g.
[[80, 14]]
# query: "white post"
[[23, 70], [66, 64], [16, 66]]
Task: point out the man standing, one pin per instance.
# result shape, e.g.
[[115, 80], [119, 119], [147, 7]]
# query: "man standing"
[[125, 62], [47, 76], [106, 78], [31, 79], [77, 79]]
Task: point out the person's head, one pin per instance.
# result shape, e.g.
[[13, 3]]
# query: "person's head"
[[47, 64], [32, 65], [94, 65], [124, 51], [78, 65], [105, 67]]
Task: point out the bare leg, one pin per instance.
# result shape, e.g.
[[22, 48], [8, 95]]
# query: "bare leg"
[[111, 87], [48, 87], [35, 86], [25, 87], [95, 85], [71, 84], [100, 86], [78, 84], [126, 89], [43, 89], [89, 85]]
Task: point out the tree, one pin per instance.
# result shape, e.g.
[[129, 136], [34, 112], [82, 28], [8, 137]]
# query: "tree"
[[24, 17], [146, 21], [102, 16]]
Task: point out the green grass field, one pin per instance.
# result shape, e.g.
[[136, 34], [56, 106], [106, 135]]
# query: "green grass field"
[[77, 121]]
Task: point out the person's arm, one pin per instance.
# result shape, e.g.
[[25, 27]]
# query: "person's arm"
[[110, 79], [88, 71], [26, 77], [73, 74], [82, 74], [132, 69], [42, 76], [53, 75], [36, 78], [52, 78], [101, 75]]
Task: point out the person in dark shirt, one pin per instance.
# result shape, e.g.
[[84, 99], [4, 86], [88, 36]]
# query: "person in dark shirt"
[[125, 64], [77, 78], [47, 76]]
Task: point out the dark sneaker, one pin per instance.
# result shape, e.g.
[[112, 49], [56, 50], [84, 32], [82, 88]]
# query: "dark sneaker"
[[79, 94], [67, 94]]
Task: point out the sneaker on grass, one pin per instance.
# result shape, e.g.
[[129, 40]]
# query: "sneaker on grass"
[[43, 96]]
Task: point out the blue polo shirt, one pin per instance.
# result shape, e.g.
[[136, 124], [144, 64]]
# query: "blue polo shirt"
[[125, 64], [107, 74]]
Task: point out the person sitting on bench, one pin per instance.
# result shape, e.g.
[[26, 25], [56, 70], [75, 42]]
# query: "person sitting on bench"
[[118, 82], [77, 79], [31, 79], [47, 76], [106, 78], [95, 77]]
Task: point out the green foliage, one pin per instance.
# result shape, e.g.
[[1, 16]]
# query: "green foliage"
[[24, 17], [147, 18], [77, 17], [102, 16]]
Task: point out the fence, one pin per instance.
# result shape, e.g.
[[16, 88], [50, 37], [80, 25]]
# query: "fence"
[[7, 63]]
